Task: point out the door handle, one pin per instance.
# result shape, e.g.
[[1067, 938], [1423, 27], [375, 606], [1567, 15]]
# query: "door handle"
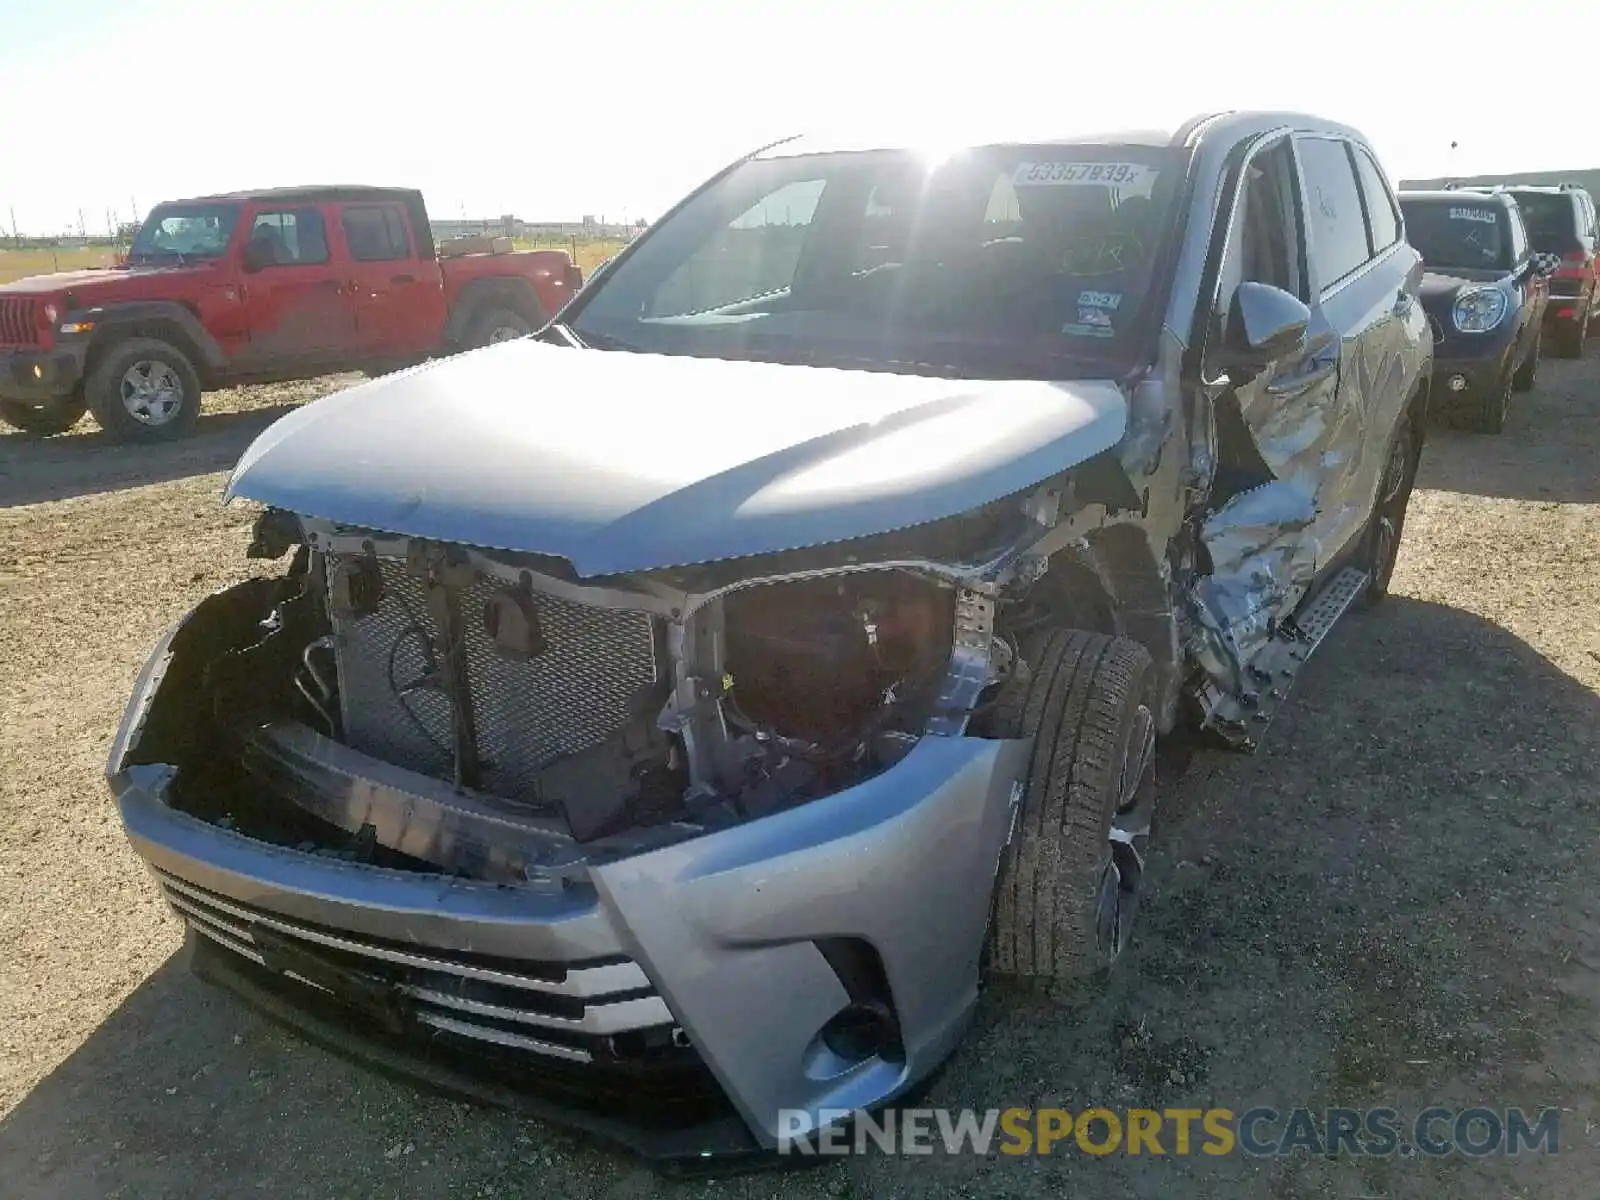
[[1315, 370], [330, 283], [403, 279]]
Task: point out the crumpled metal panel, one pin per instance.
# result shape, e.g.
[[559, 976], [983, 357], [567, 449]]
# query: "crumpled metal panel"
[[1263, 558]]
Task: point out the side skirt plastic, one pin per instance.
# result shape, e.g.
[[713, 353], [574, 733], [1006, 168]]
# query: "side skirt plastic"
[[1240, 721]]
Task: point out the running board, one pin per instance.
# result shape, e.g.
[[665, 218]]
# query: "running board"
[[1241, 720]]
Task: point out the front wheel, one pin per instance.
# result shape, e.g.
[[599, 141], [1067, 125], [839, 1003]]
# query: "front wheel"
[[1071, 878], [1528, 373], [497, 325], [144, 390], [43, 420], [1485, 411]]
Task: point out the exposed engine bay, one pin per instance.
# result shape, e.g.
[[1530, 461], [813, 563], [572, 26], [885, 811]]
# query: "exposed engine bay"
[[426, 706]]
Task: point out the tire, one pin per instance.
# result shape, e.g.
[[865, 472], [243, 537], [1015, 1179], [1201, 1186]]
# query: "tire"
[[1528, 373], [43, 420], [144, 373], [1485, 411], [1388, 521], [1067, 890], [496, 325], [1571, 341]]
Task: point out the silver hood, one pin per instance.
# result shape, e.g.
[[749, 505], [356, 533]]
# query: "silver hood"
[[624, 462]]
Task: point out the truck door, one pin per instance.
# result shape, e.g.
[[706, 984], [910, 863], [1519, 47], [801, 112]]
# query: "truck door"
[[291, 302], [396, 296]]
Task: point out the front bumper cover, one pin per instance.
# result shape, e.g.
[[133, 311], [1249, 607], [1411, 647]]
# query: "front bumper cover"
[[40, 375], [724, 929]]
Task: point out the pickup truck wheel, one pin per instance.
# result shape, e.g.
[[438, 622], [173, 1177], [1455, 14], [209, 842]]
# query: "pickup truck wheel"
[[43, 420], [1389, 513], [497, 325], [144, 390], [1069, 882]]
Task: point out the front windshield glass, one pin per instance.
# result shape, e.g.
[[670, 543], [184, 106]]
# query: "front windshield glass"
[[187, 231], [997, 261], [1458, 233]]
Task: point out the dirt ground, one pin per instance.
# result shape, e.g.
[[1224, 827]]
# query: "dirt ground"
[[1394, 903]]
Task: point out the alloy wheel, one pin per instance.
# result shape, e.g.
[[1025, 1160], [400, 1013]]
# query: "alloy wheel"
[[1122, 873], [152, 392]]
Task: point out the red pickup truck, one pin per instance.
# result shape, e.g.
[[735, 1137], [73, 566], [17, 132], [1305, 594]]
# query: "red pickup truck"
[[257, 287]]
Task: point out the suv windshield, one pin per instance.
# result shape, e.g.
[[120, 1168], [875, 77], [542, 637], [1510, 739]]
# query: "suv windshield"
[[1552, 220], [998, 260], [186, 230], [1458, 233]]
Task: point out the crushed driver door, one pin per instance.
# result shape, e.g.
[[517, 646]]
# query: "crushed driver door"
[[1273, 430]]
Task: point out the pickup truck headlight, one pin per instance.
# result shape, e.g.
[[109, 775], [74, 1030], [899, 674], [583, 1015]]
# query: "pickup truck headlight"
[[1479, 310]]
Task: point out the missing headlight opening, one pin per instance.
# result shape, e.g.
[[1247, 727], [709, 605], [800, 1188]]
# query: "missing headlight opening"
[[430, 707]]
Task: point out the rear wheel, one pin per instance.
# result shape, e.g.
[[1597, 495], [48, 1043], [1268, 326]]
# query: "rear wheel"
[[144, 390], [1389, 513], [43, 420], [497, 325], [1573, 339], [1070, 880]]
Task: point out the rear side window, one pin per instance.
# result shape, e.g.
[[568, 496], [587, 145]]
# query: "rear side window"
[[1334, 215], [1383, 219], [375, 233], [296, 236]]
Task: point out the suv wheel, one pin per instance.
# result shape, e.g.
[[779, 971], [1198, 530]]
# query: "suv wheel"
[[144, 390], [43, 420], [497, 325], [1528, 373], [1573, 338], [1485, 411], [1389, 512], [1069, 882]]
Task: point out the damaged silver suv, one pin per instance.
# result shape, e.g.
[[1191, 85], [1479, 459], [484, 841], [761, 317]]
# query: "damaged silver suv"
[[666, 721]]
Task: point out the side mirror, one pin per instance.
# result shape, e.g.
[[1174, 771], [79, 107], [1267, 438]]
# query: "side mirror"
[[1264, 323], [257, 255]]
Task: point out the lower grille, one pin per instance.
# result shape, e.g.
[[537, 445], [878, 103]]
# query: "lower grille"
[[18, 322], [597, 671], [577, 1013]]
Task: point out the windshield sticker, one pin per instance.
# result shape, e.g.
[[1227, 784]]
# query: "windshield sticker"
[[1483, 215], [1091, 322], [1082, 174], [1110, 301]]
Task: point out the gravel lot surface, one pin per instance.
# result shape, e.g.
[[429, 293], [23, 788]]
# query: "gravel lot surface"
[[1394, 903]]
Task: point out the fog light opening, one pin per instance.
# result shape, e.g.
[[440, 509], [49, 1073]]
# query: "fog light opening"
[[858, 1032], [1458, 383]]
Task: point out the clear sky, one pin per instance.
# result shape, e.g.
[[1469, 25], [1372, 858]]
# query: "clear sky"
[[616, 108]]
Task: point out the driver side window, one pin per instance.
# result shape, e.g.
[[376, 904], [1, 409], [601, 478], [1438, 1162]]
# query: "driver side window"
[[1265, 241]]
